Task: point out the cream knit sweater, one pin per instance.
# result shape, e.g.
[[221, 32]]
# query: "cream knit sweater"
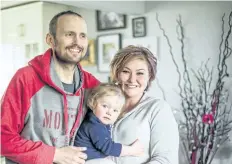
[[153, 123]]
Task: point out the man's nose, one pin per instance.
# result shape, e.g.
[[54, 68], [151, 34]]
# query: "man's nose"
[[76, 39]]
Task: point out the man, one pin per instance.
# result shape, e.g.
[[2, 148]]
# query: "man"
[[42, 106]]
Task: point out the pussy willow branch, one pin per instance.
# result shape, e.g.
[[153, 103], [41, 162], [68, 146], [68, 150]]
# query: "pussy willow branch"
[[199, 102], [187, 90], [186, 78], [189, 98], [161, 88], [181, 39], [171, 52], [222, 69], [202, 75], [178, 71]]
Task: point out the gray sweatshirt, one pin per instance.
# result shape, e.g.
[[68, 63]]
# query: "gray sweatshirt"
[[153, 123]]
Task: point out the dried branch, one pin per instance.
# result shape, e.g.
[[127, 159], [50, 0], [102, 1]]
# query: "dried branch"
[[205, 108]]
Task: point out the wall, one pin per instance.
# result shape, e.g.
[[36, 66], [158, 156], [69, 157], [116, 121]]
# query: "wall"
[[202, 24], [128, 7], [12, 44], [30, 16], [202, 30], [49, 10], [35, 19]]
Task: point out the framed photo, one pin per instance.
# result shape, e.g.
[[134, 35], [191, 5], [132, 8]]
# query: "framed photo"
[[110, 20], [139, 27], [107, 46], [90, 57]]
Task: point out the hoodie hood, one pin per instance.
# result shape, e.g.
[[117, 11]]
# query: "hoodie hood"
[[41, 65], [45, 68]]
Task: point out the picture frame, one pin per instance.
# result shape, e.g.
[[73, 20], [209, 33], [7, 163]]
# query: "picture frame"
[[110, 20], [107, 47], [90, 56], [139, 27]]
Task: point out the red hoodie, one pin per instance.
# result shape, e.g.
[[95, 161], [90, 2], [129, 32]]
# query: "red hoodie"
[[37, 115]]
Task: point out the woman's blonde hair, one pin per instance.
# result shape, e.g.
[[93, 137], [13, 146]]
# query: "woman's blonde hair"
[[104, 89], [128, 53]]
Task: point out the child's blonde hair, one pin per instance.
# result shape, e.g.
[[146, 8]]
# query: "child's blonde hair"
[[104, 89]]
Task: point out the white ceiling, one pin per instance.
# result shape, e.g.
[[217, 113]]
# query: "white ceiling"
[[132, 7], [7, 3]]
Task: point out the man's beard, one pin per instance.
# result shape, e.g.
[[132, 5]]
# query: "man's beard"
[[64, 60]]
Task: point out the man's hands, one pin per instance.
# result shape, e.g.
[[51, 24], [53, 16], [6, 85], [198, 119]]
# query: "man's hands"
[[70, 155]]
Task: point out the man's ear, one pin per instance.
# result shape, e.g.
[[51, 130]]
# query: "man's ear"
[[50, 40]]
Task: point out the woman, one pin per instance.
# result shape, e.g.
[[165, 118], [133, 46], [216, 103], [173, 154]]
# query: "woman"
[[145, 118]]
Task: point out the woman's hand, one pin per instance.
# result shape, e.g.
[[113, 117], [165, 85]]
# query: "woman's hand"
[[70, 155], [137, 148]]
